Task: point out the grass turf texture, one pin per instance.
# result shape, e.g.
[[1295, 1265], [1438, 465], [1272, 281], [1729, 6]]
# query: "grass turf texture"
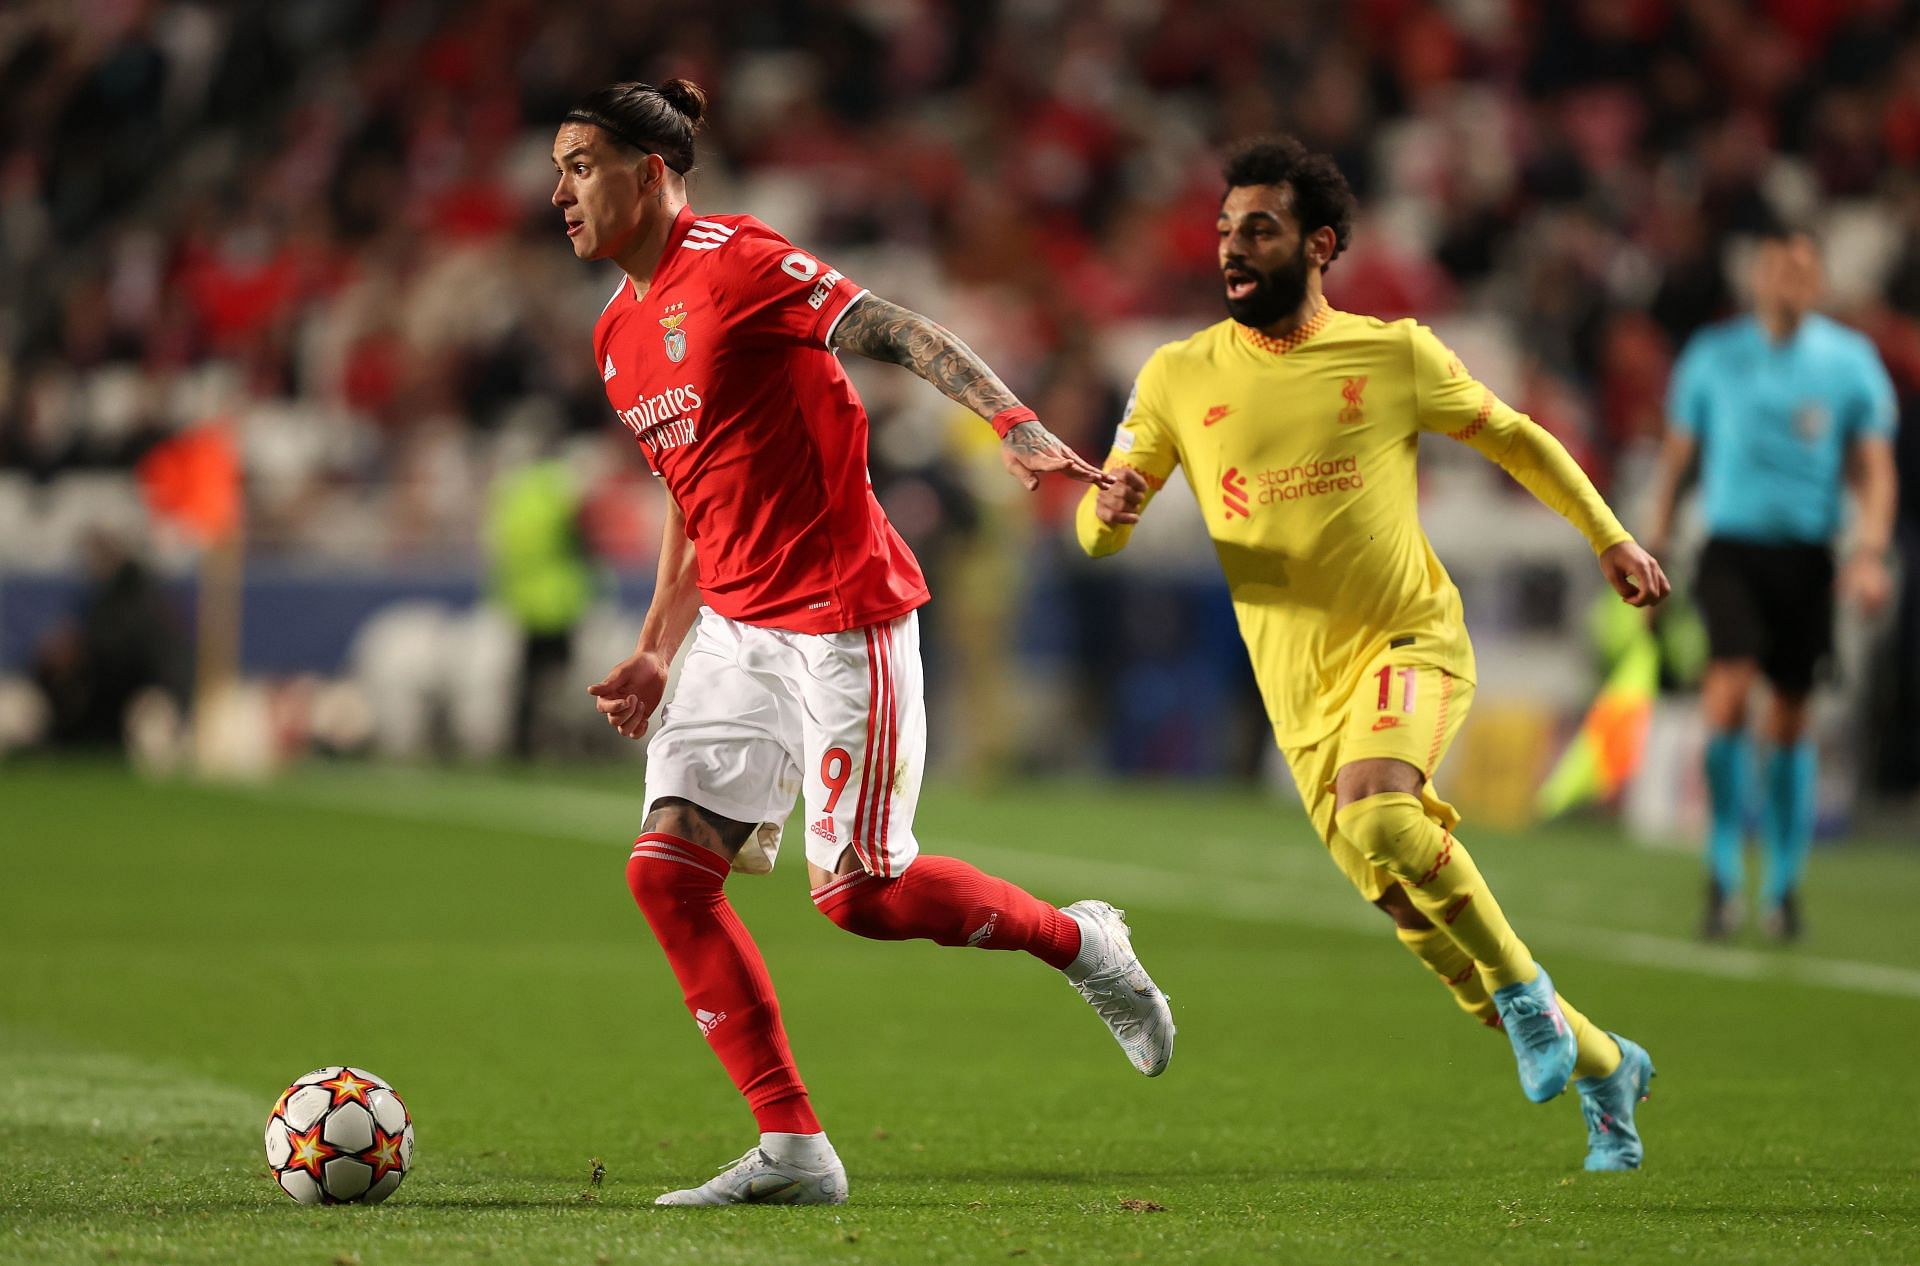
[[175, 954]]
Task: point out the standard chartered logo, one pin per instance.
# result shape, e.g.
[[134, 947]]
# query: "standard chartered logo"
[[1315, 478]]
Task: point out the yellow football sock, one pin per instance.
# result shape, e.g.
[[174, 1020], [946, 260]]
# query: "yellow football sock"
[[1392, 830], [1598, 1054], [1455, 969]]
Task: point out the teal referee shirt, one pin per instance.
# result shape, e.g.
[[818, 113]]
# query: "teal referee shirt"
[[1774, 421]]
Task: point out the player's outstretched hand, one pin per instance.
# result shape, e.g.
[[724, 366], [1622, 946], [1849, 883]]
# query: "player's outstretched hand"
[[627, 696], [1120, 501], [1635, 575], [1031, 450]]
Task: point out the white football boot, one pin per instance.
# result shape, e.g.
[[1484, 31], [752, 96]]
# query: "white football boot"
[[757, 1178], [1108, 975]]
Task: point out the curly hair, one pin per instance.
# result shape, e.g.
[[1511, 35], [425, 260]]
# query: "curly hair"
[[1321, 197]]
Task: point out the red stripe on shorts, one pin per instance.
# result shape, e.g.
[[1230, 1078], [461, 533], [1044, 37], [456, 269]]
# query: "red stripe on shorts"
[[878, 720], [1440, 723], [883, 794], [893, 750], [860, 815]]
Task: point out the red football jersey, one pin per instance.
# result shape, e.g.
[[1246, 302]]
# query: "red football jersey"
[[723, 373]]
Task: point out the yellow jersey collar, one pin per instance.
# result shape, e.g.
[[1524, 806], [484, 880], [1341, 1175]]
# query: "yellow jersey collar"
[[1281, 346]]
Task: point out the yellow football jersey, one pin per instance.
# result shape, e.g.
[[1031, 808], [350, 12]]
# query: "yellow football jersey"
[[1301, 451]]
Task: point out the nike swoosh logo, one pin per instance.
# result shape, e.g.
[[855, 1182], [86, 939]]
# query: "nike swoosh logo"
[[766, 1187]]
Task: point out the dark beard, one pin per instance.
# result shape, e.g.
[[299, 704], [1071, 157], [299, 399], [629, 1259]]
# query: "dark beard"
[[1275, 295]]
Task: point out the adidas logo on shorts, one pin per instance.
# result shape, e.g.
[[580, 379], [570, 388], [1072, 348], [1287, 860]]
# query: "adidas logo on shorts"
[[824, 829]]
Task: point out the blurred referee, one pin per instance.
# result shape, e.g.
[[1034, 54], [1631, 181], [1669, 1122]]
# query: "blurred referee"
[[1784, 408]]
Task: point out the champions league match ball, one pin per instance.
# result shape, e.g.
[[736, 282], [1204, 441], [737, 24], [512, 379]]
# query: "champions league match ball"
[[339, 1135]]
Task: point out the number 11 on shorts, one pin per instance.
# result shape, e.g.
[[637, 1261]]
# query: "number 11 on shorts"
[[1409, 678]]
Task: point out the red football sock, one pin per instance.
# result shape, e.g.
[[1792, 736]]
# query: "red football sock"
[[944, 900], [680, 888]]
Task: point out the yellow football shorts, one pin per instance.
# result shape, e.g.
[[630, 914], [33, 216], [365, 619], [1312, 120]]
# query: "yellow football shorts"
[[1401, 711]]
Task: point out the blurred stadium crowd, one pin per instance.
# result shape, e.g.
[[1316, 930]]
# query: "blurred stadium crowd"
[[328, 223]]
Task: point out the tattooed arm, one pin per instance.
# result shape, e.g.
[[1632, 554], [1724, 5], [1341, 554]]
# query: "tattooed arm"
[[886, 331]]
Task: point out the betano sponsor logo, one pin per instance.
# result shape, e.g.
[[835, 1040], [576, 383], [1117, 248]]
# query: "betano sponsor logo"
[[825, 287]]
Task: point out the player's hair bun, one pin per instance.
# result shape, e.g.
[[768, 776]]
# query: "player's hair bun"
[[687, 97], [647, 119]]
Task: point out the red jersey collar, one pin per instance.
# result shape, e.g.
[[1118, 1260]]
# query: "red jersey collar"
[[682, 223], [678, 233]]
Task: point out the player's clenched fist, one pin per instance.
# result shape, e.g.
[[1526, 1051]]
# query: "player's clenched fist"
[[1120, 501], [1634, 574], [628, 695]]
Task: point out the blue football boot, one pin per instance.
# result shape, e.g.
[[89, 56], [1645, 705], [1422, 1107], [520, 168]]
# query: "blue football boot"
[[1613, 1144], [1543, 1043]]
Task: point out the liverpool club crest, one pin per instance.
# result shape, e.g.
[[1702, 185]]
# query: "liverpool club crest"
[[675, 336], [1352, 393]]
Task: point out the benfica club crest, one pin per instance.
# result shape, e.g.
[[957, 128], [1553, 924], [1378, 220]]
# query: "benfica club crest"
[[675, 336]]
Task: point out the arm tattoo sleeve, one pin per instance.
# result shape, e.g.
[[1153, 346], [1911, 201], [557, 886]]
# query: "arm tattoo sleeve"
[[886, 331]]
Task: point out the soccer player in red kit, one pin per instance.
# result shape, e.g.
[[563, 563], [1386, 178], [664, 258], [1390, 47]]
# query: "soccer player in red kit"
[[719, 352]]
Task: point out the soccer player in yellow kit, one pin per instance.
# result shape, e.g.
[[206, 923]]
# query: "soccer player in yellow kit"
[[1297, 426]]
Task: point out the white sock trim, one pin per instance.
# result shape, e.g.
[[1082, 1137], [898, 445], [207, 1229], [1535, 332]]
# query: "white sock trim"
[[1091, 942], [803, 1151]]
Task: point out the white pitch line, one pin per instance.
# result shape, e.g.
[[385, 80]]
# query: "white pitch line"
[[107, 1092], [1262, 903], [612, 818]]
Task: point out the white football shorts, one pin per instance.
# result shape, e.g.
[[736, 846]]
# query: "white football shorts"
[[760, 715]]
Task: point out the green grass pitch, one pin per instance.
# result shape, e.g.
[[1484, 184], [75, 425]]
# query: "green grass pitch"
[[171, 955]]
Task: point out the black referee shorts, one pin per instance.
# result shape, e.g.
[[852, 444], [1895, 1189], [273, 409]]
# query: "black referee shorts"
[[1770, 603]]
